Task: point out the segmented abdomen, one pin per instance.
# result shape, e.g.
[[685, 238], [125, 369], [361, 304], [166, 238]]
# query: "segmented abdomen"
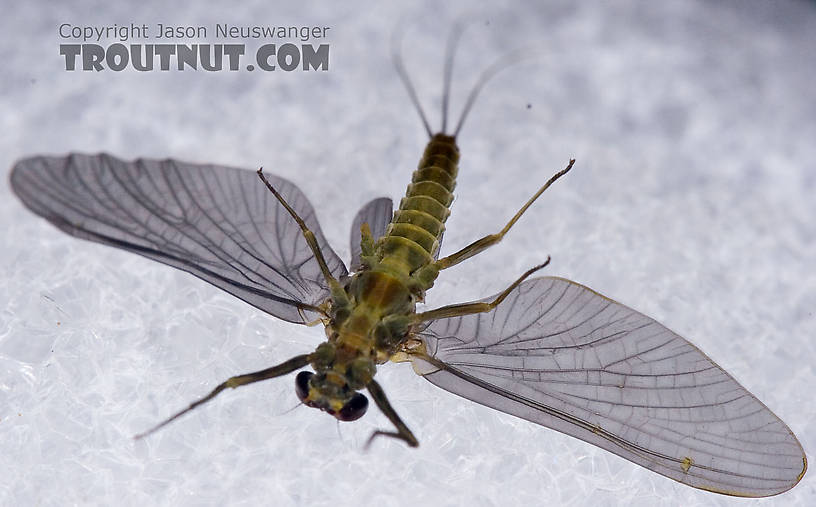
[[412, 239]]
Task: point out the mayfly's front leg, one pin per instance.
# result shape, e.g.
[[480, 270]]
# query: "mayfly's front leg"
[[402, 433], [289, 366], [470, 308], [491, 239]]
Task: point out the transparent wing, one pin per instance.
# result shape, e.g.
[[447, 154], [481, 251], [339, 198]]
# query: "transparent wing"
[[377, 214], [561, 355], [219, 223]]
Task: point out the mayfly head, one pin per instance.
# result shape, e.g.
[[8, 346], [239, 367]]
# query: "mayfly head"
[[330, 393]]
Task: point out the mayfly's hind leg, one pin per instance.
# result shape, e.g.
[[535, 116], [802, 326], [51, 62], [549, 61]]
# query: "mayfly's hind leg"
[[336, 289], [471, 308], [307, 233], [489, 240], [366, 240], [367, 246], [289, 366], [402, 433]]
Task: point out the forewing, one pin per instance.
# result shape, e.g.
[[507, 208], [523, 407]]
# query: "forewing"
[[377, 214], [219, 223], [561, 355]]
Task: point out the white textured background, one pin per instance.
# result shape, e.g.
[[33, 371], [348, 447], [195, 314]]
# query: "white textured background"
[[693, 126]]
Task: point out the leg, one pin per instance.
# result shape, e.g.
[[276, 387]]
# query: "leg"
[[367, 244], [402, 433], [366, 240], [490, 240], [289, 366], [471, 308], [309, 235]]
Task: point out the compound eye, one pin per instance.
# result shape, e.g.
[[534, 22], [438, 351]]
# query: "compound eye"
[[302, 384], [353, 409]]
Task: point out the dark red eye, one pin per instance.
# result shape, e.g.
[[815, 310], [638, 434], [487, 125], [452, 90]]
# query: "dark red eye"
[[302, 384], [354, 408]]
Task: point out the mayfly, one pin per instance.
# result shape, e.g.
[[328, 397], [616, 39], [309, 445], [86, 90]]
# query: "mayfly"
[[546, 349]]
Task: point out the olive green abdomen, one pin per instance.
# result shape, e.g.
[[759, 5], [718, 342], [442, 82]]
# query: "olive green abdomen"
[[412, 239]]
